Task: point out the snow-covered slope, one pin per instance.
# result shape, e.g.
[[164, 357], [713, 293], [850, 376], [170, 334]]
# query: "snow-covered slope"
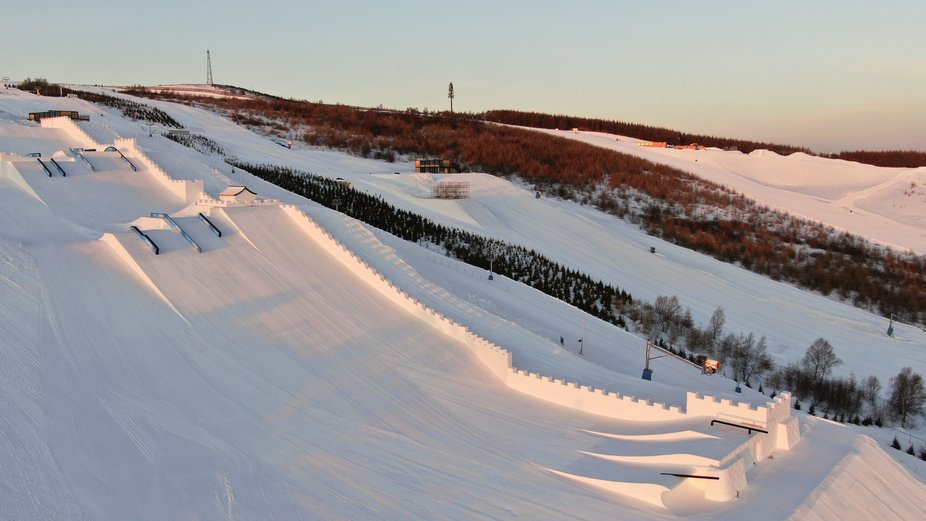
[[272, 377], [885, 205]]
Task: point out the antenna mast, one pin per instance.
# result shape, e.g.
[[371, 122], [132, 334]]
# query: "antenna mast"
[[208, 69]]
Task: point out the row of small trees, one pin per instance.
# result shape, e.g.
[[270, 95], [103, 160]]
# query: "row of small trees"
[[910, 449], [514, 261], [846, 398], [131, 109], [746, 359], [198, 142]]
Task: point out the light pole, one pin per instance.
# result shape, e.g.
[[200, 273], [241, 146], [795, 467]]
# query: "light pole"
[[582, 339]]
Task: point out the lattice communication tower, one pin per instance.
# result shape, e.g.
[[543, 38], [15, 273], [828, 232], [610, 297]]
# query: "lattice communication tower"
[[208, 69]]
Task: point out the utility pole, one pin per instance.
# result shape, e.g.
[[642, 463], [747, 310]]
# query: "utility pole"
[[208, 69], [451, 96], [582, 339]]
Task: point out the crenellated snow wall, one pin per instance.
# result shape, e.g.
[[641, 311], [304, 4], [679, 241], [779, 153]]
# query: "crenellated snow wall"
[[188, 191], [495, 358], [73, 129]]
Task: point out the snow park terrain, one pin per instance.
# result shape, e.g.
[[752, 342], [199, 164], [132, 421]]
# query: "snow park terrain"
[[172, 349]]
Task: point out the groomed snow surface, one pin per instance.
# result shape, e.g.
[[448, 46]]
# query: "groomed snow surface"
[[276, 376]]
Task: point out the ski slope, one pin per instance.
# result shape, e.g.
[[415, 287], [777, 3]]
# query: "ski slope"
[[274, 376], [885, 205]]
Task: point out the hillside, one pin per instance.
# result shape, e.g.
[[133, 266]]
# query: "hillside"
[[667, 201], [885, 205], [276, 375]]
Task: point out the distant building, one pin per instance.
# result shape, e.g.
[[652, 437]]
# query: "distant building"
[[73, 114], [237, 194], [435, 166]]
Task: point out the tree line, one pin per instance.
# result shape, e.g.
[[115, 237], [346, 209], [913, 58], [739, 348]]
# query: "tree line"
[[636, 130], [129, 108], [886, 158]]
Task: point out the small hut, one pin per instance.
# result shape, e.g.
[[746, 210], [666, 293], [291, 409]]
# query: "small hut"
[[237, 194]]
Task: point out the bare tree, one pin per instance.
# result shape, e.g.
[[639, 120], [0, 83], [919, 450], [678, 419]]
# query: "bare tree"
[[715, 326], [908, 395], [667, 310], [726, 348], [820, 359], [871, 388], [753, 358], [645, 322]]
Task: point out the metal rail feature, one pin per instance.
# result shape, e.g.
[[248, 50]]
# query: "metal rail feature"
[[147, 240], [207, 222], [77, 152], [176, 227], [688, 475], [60, 170], [44, 166], [749, 428], [116, 150]]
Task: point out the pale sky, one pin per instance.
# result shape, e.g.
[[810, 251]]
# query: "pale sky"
[[826, 74]]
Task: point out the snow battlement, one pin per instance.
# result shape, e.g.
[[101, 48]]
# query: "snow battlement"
[[497, 359], [72, 129], [187, 190]]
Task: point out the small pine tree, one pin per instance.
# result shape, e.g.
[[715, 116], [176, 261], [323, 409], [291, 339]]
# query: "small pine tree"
[[826, 416], [922, 454], [813, 409], [856, 420], [878, 422], [760, 388], [867, 421], [773, 395], [911, 451], [895, 444], [797, 405]]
